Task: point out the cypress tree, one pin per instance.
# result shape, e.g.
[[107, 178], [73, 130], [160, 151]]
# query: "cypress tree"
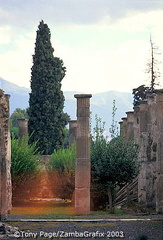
[[46, 102]]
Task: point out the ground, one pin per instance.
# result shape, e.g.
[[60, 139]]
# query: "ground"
[[105, 226]]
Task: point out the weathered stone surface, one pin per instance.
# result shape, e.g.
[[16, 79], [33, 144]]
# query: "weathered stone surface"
[[7, 231], [5, 157], [136, 125], [159, 152], [124, 127], [82, 179], [82, 166], [23, 127], [129, 127], [82, 201], [72, 131], [159, 193], [148, 134]]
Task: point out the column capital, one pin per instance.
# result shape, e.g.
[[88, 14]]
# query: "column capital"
[[72, 121], [83, 95]]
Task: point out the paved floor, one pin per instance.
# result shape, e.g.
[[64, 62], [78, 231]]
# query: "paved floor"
[[141, 228]]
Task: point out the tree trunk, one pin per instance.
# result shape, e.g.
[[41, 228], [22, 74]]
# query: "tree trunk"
[[110, 197]]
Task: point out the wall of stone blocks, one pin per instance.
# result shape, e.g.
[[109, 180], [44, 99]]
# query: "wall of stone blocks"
[[145, 126], [5, 157]]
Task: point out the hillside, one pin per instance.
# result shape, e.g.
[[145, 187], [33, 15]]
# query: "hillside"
[[101, 103], [18, 95]]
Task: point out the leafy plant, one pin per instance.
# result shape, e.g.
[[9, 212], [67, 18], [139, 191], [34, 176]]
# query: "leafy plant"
[[63, 160], [24, 164], [112, 162], [114, 128], [62, 171]]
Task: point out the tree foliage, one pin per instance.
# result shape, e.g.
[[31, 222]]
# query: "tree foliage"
[[113, 163], [18, 113], [140, 94], [46, 117], [113, 129]]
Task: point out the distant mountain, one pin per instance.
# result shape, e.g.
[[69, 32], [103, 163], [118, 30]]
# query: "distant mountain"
[[18, 95], [101, 103]]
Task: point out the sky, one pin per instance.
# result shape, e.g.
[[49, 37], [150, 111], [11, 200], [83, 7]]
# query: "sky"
[[104, 44]]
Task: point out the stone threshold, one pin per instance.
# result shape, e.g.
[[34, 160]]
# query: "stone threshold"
[[88, 220]]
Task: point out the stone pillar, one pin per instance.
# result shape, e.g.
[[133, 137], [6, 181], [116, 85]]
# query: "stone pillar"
[[136, 125], [159, 161], [72, 131], [151, 119], [142, 155], [147, 152], [124, 127], [121, 128], [5, 158], [82, 166], [130, 125], [23, 127]]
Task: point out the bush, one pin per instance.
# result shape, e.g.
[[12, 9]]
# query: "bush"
[[62, 172], [24, 166], [113, 163]]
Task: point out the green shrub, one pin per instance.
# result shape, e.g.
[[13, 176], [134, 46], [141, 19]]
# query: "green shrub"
[[63, 160], [24, 165], [62, 172], [113, 163]]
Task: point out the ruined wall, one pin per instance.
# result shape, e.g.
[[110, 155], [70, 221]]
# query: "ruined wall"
[[5, 157], [159, 152], [148, 135]]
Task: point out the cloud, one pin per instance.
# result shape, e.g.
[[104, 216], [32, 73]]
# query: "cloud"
[[17, 61], [26, 13], [102, 70], [6, 33], [104, 46]]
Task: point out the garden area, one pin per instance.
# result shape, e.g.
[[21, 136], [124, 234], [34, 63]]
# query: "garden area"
[[47, 187]]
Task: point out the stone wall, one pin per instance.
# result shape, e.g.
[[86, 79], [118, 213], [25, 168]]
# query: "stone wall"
[[5, 157], [145, 126]]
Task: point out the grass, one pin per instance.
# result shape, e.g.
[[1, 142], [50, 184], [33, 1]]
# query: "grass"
[[57, 212]]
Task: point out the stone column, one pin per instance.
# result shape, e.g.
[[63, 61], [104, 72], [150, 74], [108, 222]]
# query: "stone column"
[[142, 155], [130, 125], [82, 166], [124, 127], [23, 127], [5, 158], [136, 125], [72, 131], [121, 128]]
